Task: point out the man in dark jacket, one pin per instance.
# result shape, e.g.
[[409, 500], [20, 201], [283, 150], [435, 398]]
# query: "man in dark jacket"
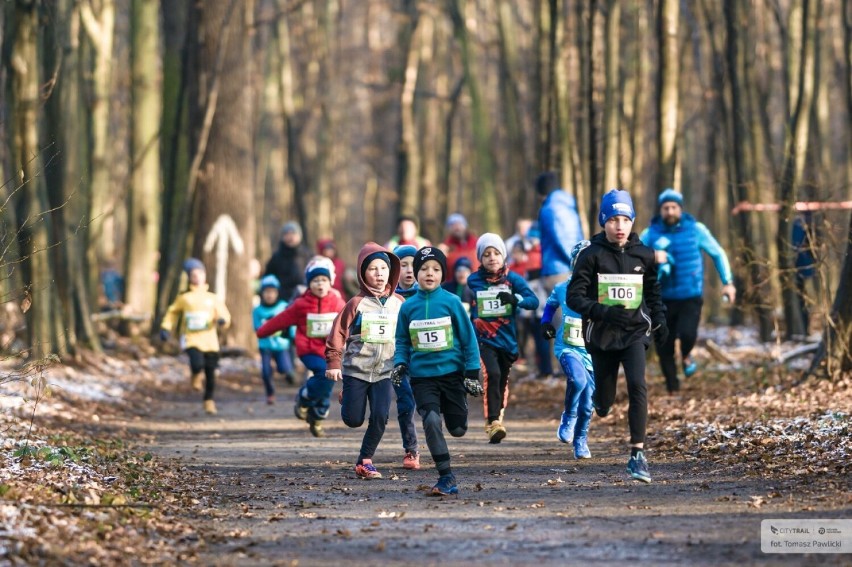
[[289, 261]]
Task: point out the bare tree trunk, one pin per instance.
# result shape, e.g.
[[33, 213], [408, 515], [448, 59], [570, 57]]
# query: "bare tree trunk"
[[409, 148], [669, 83], [225, 191], [31, 199], [796, 149], [488, 204], [742, 176], [100, 28], [612, 106], [144, 210], [591, 165]]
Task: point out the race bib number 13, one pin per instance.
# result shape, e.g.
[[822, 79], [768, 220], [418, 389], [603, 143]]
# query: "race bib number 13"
[[620, 289], [431, 335], [487, 304]]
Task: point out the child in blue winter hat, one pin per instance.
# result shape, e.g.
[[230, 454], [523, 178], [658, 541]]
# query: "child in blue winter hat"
[[276, 347]]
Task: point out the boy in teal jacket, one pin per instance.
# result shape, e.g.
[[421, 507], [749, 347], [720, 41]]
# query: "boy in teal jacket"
[[436, 346]]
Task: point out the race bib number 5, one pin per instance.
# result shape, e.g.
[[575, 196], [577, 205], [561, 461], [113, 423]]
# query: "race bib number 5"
[[431, 335], [620, 289], [377, 328], [319, 324], [572, 331], [487, 304]]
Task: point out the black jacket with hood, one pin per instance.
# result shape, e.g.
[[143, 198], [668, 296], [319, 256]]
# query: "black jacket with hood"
[[604, 257]]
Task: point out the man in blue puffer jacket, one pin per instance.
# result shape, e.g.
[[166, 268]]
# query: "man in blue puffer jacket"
[[560, 228], [678, 240]]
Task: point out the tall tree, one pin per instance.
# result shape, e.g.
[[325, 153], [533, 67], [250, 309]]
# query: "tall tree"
[[612, 106], [224, 195], [145, 187], [31, 206], [98, 17], [795, 152], [668, 92]]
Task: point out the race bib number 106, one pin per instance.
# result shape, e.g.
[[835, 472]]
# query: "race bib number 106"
[[620, 289]]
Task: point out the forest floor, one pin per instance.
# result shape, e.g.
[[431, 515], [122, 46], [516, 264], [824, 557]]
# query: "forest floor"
[[121, 466]]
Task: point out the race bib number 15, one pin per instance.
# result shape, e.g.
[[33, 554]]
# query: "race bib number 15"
[[431, 335]]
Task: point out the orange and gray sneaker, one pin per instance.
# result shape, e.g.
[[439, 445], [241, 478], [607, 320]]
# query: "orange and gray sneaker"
[[411, 461], [366, 470], [496, 432]]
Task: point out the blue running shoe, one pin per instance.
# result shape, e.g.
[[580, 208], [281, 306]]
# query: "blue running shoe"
[[689, 367], [638, 467], [446, 486], [565, 433], [581, 448]]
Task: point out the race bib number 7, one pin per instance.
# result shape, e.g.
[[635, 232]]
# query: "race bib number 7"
[[431, 335], [378, 328], [572, 331], [620, 289], [319, 324]]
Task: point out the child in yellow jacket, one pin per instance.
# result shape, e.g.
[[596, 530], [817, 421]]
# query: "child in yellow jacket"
[[198, 314]]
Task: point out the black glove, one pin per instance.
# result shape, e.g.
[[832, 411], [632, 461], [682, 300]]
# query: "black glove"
[[164, 335], [507, 298], [221, 322], [548, 331], [616, 315], [471, 383], [661, 333], [398, 373]]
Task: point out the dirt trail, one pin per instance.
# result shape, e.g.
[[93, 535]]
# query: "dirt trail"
[[284, 497]]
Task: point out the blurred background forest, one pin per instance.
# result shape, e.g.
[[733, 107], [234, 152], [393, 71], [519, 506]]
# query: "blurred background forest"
[[135, 128]]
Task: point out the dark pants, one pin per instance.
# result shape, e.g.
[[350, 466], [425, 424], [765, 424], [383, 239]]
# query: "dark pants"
[[606, 365], [441, 395], [282, 363], [405, 415], [496, 365], [356, 394], [682, 318], [208, 362], [316, 393]]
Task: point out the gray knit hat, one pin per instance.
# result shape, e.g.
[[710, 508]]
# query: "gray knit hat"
[[489, 239]]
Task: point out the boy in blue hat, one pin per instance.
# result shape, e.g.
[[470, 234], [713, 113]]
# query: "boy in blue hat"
[[615, 288], [275, 347]]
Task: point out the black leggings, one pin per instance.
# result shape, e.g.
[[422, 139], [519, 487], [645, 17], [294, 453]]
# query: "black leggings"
[[682, 318], [606, 364], [496, 365], [208, 362]]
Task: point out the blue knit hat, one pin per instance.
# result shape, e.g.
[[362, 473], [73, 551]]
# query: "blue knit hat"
[[269, 281], [405, 250], [193, 264], [616, 202], [670, 196], [319, 266], [463, 262], [374, 256]]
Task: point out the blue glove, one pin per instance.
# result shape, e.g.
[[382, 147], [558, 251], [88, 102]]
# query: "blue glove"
[[164, 335], [221, 322]]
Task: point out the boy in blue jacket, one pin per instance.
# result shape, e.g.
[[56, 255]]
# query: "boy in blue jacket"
[[570, 350], [495, 295], [436, 346], [276, 347]]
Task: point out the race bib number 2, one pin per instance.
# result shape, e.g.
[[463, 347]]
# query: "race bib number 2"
[[431, 335], [620, 289], [319, 324]]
